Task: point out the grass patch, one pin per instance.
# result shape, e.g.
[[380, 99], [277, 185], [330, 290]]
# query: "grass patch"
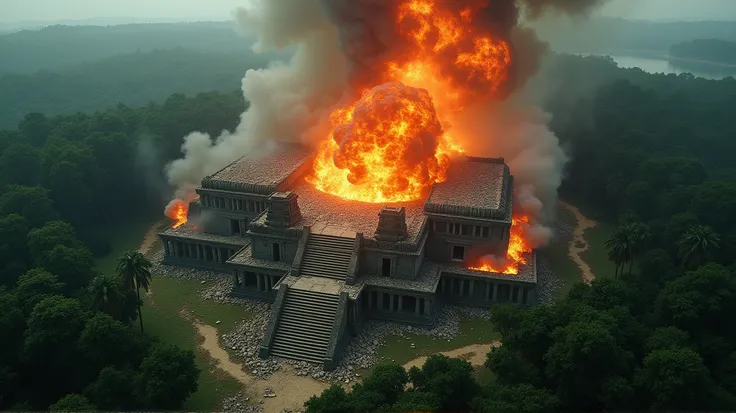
[[556, 255], [398, 350], [124, 235], [161, 318], [597, 254]]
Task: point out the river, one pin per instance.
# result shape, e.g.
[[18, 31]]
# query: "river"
[[661, 64]]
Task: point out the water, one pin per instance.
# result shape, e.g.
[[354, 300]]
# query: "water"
[[661, 64]]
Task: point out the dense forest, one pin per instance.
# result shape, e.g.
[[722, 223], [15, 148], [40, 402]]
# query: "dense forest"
[[67, 337], [653, 152], [64, 46], [132, 79], [710, 50]]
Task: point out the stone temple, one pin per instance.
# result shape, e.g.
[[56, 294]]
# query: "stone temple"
[[327, 264]]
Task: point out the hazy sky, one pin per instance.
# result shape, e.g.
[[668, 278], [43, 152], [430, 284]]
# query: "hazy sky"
[[22, 10]]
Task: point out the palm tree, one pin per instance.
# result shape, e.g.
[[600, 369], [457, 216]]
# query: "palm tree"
[[696, 244], [105, 293], [135, 270], [639, 236], [618, 248]]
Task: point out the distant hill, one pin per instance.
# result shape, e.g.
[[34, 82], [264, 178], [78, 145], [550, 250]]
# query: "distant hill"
[[612, 36], [133, 79], [710, 50], [56, 47]]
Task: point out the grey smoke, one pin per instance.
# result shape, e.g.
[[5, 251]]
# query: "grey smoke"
[[336, 43]]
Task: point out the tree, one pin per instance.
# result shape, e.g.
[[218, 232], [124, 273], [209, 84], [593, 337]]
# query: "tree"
[[696, 245], [13, 250], [32, 203], [639, 237], [73, 265], [44, 239], [168, 375], [114, 389], [35, 128], [72, 403], [618, 248], [36, 285], [135, 270], [20, 164], [106, 294], [676, 378], [108, 342], [333, 400], [451, 380]]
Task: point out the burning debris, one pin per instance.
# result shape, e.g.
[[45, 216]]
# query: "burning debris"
[[178, 209], [516, 255]]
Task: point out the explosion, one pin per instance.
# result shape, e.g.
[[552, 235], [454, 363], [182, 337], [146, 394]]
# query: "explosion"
[[390, 145], [519, 248]]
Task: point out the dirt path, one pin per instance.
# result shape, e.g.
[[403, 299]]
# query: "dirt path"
[[148, 241], [578, 244], [474, 353], [291, 390]]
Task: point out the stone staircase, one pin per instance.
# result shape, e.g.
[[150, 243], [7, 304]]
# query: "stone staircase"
[[305, 325], [327, 256]]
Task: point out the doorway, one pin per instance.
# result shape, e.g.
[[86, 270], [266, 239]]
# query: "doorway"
[[385, 267], [276, 252]]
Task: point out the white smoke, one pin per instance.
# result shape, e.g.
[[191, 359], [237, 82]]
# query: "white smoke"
[[287, 101], [519, 133]]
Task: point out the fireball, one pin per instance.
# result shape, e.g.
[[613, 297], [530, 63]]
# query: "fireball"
[[390, 145]]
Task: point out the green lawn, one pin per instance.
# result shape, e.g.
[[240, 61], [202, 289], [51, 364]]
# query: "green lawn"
[[556, 254], [597, 254], [124, 235], [162, 318]]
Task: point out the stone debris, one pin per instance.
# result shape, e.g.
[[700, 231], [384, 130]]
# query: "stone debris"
[[362, 351], [240, 403]]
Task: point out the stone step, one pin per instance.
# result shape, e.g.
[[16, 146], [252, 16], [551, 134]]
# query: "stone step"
[[330, 255], [340, 277], [331, 239], [284, 351], [298, 292], [310, 319], [321, 272], [294, 327], [315, 338], [312, 306]]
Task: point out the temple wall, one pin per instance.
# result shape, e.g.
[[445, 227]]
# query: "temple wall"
[[484, 292], [403, 266], [263, 248], [405, 307], [476, 240]]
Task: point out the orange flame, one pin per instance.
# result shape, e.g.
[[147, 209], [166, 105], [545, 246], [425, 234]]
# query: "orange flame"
[[516, 254], [177, 210], [390, 145]]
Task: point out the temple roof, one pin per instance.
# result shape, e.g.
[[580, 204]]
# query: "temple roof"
[[474, 188], [261, 172]]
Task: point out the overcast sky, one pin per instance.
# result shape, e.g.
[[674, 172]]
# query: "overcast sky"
[[35, 10]]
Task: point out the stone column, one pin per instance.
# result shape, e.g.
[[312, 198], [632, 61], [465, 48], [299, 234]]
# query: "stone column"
[[200, 252], [235, 277], [488, 291], [260, 282], [520, 298], [379, 300], [166, 248], [393, 302], [190, 248], [427, 306], [401, 303], [416, 306], [471, 287], [495, 292], [218, 258]]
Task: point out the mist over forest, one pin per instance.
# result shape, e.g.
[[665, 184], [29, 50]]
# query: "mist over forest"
[[91, 115]]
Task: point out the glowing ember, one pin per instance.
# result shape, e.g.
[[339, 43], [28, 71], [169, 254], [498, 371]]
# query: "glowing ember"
[[516, 253], [389, 145], [178, 210]]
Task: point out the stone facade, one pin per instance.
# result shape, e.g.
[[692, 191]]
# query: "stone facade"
[[328, 264]]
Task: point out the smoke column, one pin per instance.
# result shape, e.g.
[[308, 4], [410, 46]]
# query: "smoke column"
[[340, 43]]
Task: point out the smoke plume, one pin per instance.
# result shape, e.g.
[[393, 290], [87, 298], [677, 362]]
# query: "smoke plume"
[[342, 48]]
